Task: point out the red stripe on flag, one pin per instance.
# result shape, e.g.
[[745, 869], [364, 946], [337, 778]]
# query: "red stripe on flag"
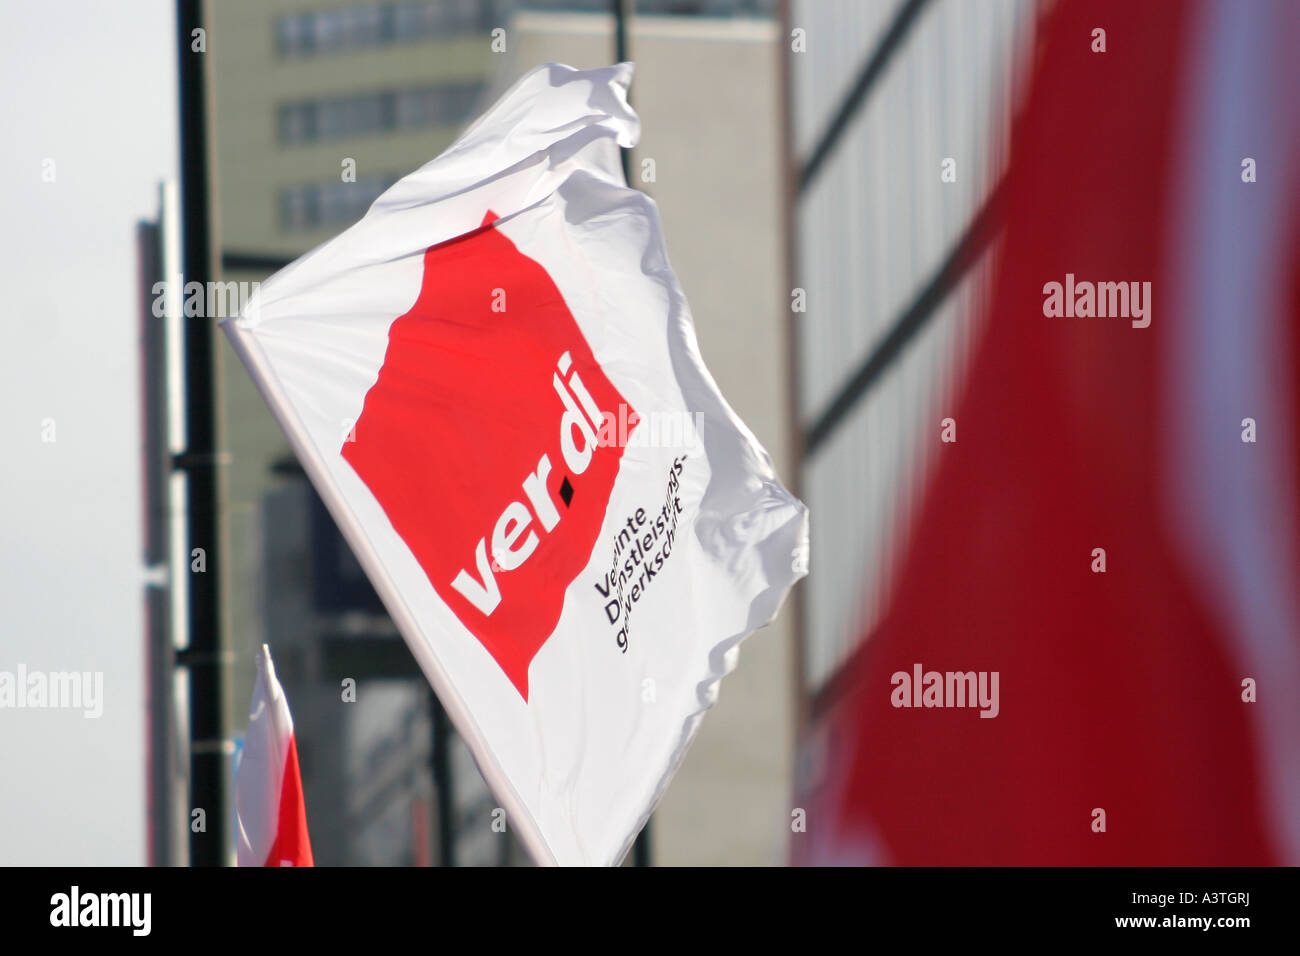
[[483, 396], [1116, 693], [292, 846]]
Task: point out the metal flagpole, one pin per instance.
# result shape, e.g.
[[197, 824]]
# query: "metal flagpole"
[[202, 657], [622, 17]]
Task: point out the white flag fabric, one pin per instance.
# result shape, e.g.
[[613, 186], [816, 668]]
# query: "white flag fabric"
[[268, 786], [493, 381]]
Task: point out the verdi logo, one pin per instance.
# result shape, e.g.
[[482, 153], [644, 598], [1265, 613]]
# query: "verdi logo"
[[513, 539], [481, 440]]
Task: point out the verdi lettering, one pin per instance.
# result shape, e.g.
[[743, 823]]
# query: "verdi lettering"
[[514, 536]]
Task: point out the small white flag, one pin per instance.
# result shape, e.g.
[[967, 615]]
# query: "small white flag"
[[493, 381], [268, 787]]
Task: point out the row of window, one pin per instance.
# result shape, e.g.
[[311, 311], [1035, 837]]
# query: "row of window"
[[378, 24], [313, 205], [684, 8], [380, 112], [366, 25]]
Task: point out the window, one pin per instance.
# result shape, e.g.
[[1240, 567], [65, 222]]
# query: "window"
[[313, 205], [701, 8], [379, 112], [367, 25]]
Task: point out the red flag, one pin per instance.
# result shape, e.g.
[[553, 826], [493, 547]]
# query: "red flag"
[[1115, 533]]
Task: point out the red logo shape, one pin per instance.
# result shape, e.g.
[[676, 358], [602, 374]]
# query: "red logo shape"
[[480, 440]]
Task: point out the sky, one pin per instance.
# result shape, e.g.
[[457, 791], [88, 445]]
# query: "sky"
[[89, 86]]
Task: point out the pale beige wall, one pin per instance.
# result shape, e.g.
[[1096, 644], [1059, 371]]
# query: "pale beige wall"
[[251, 82]]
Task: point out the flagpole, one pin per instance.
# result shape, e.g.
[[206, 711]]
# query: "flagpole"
[[623, 14], [202, 657], [622, 17]]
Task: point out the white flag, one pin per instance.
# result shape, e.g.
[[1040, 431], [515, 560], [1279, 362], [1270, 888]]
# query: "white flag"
[[493, 381], [268, 785]]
